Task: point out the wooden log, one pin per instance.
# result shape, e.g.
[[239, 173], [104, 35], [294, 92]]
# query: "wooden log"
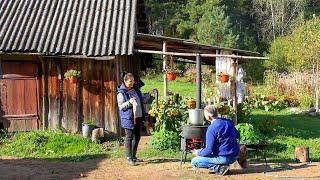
[[242, 159], [95, 135], [101, 132], [302, 153]]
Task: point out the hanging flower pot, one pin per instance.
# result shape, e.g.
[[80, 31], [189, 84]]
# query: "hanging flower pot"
[[224, 78], [73, 79], [171, 76], [72, 75]]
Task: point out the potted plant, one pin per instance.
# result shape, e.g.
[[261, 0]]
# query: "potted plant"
[[72, 75], [171, 75], [191, 103], [87, 128], [224, 77]]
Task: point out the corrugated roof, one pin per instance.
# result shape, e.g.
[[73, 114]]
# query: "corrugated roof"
[[68, 27]]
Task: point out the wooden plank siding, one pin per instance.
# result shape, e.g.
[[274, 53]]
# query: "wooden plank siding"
[[93, 97]]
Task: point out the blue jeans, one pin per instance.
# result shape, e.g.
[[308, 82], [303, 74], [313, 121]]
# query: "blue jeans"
[[212, 163]]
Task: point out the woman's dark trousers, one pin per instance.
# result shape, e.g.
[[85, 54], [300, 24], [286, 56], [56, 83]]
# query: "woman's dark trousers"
[[132, 138]]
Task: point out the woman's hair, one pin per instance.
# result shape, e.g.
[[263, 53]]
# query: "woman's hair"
[[211, 110], [127, 76]]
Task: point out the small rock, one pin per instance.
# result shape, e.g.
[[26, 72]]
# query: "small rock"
[[312, 109], [312, 114]]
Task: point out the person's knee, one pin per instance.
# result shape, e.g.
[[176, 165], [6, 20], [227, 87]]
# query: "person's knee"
[[194, 161]]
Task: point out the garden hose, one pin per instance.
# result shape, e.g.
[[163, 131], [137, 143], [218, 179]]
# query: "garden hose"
[[270, 174]]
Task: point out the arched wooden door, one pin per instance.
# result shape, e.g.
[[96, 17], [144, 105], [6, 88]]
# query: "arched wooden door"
[[19, 92]]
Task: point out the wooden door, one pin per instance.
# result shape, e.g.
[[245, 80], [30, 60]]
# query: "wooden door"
[[19, 94]]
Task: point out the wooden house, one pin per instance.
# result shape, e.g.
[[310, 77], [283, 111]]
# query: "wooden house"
[[41, 40]]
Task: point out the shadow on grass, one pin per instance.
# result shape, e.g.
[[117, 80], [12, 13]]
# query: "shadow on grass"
[[79, 158], [280, 123], [49, 168]]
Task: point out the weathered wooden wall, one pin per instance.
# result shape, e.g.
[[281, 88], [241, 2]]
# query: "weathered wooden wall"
[[93, 97], [63, 104]]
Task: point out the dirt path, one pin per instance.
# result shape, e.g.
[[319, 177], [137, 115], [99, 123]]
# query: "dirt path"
[[153, 168]]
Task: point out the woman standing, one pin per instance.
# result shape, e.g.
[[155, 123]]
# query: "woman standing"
[[131, 114]]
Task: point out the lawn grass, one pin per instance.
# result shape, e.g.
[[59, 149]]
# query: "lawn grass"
[[291, 131], [50, 145], [181, 85]]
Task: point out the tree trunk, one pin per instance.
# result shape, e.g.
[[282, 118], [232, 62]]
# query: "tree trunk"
[[302, 153], [273, 21]]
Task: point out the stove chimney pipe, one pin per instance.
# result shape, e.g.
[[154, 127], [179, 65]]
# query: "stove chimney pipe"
[[198, 82]]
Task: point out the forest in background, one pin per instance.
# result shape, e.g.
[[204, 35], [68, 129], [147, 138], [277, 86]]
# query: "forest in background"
[[263, 26]]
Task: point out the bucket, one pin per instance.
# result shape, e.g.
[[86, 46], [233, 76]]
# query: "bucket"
[[87, 130], [196, 116]]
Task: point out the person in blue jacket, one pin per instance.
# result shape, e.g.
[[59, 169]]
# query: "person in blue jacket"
[[131, 111], [222, 147]]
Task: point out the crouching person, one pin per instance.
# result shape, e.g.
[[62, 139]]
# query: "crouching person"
[[222, 146]]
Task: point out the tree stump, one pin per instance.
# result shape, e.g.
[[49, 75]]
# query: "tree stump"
[[95, 135], [242, 159], [302, 153]]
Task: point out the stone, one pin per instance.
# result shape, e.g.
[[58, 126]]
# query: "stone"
[[313, 114]]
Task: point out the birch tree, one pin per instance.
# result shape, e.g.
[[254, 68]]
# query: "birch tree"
[[278, 17]]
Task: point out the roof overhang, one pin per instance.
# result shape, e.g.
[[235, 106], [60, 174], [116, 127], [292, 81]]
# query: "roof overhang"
[[187, 49]]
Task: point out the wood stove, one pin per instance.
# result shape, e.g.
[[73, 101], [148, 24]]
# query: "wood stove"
[[192, 137]]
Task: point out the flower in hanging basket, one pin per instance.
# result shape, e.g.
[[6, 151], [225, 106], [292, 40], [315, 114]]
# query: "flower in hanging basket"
[[72, 75], [171, 75], [224, 77]]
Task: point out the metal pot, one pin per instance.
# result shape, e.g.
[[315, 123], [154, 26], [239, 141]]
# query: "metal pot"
[[196, 116], [191, 132]]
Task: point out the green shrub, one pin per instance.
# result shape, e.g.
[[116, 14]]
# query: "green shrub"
[[244, 110], [165, 140], [305, 101], [248, 134], [170, 113]]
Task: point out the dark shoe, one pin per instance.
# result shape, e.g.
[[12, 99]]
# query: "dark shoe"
[[131, 162], [135, 159], [223, 170]]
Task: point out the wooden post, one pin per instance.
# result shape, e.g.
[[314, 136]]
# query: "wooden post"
[[302, 153], [165, 80], [45, 101], [60, 93], [234, 88]]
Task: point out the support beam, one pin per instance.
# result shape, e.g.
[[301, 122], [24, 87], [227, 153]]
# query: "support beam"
[[45, 99], [198, 82], [165, 80], [234, 88], [195, 54]]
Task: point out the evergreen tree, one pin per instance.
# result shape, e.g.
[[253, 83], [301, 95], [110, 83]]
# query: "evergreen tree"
[[205, 21]]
